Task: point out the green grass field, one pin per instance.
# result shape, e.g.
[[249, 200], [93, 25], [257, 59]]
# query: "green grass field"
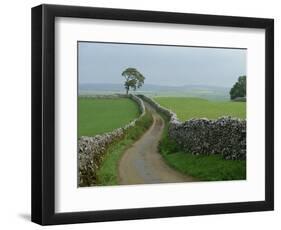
[[99, 115], [187, 108]]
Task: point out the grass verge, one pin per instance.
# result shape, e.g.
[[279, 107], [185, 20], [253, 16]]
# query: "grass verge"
[[202, 167], [108, 172]]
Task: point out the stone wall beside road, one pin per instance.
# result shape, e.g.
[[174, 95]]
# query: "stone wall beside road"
[[91, 150], [226, 135]]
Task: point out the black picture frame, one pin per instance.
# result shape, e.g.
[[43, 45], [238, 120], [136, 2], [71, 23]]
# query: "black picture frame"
[[43, 114]]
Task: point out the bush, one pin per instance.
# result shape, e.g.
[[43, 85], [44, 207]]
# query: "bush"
[[239, 88]]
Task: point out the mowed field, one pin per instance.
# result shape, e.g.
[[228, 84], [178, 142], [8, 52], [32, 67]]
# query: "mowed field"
[[101, 115], [187, 108]]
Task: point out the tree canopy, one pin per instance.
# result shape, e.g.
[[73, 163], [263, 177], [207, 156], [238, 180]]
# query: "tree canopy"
[[133, 79], [239, 88]]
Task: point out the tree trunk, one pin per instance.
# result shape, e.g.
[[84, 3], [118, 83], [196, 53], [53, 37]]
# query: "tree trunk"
[[127, 91]]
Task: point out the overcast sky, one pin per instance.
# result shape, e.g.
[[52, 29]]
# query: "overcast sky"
[[161, 65]]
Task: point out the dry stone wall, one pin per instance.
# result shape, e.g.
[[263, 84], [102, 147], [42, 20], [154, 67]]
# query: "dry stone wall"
[[91, 149], [226, 135]]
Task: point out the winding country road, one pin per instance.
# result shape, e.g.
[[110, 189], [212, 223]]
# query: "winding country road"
[[142, 163]]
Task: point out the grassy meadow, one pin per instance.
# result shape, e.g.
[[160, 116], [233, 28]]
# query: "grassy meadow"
[[101, 115], [187, 108]]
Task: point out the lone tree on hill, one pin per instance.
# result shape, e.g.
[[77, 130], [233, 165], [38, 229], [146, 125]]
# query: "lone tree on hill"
[[239, 88], [133, 79]]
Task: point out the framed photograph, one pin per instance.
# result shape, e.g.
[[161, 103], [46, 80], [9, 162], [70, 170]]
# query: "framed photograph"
[[143, 114]]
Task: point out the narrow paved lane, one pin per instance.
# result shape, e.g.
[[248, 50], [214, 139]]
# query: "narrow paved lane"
[[142, 163]]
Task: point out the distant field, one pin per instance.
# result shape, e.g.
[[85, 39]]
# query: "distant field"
[[187, 108], [97, 116], [199, 91]]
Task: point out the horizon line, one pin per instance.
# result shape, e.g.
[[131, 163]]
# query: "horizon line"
[[104, 83]]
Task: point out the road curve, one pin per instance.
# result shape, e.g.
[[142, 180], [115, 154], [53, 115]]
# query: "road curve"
[[142, 163]]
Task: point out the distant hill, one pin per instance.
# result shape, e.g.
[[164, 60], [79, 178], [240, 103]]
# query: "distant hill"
[[202, 91]]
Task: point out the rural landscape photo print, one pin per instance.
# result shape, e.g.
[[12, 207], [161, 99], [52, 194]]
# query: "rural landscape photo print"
[[150, 114]]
